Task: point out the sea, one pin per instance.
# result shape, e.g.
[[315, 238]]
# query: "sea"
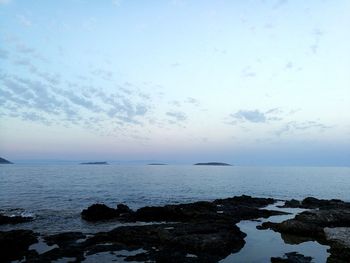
[[56, 194]]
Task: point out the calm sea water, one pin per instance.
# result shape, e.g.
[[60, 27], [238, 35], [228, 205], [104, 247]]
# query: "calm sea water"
[[56, 194]]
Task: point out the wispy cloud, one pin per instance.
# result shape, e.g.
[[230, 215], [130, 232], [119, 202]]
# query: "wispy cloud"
[[175, 64], [248, 72], [249, 115], [317, 34], [32, 116], [289, 65], [22, 62], [22, 48], [105, 74], [175, 103], [51, 97], [192, 101], [256, 116], [49, 103], [177, 116], [294, 126], [4, 54], [24, 20]]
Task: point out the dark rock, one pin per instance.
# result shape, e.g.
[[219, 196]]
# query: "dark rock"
[[98, 212], [292, 257], [71, 251], [339, 238], [245, 200], [311, 223], [292, 239], [123, 209], [339, 253], [99, 163], [292, 204], [4, 161], [183, 212], [326, 218], [14, 244], [233, 209], [203, 241], [14, 219], [313, 203], [32, 256], [68, 247], [204, 230], [246, 207], [63, 239], [206, 240], [328, 224], [295, 227], [214, 164], [98, 248], [198, 232], [169, 255]]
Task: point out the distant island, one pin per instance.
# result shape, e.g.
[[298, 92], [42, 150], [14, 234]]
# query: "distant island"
[[214, 164], [4, 161], [157, 164], [95, 163]]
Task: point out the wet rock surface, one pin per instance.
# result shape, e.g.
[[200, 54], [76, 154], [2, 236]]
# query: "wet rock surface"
[[4, 219], [340, 240], [208, 241], [292, 257], [194, 232], [339, 253], [314, 203], [233, 209], [14, 244], [328, 222], [339, 234], [64, 239], [98, 212]]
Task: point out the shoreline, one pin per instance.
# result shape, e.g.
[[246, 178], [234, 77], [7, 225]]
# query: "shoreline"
[[205, 230]]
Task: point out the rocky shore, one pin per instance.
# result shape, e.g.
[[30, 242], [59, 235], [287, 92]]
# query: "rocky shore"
[[195, 232], [327, 222]]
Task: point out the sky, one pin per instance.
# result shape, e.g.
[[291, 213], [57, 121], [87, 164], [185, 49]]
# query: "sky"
[[259, 82]]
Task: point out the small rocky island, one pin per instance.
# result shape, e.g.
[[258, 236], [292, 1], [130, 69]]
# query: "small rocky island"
[[4, 161], [99, 163], [214, 164]]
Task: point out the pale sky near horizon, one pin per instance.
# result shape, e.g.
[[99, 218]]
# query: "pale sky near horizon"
[[247, 82]]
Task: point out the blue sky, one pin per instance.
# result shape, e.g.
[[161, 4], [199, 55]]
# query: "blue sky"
[[247, 82]]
